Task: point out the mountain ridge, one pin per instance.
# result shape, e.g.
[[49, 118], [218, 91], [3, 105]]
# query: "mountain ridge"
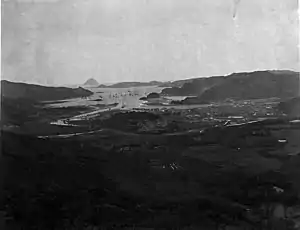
[[39, 92], [243, 85]]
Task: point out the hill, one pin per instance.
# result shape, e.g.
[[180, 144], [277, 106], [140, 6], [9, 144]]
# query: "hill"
[[290, 107], [180, 83], [152, 95], [91, 82], [241, 86], [191, 87], [255, 85], [245, 85], [16, 111], [102, 86], [39, 92]]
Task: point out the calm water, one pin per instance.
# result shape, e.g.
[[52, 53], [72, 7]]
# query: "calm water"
[[126, 96], [129, 97]]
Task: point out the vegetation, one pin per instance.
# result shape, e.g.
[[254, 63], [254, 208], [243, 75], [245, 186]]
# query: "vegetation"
[[252, 85], [219, 166]]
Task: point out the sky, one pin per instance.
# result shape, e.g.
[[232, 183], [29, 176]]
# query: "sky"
[[69, 41]]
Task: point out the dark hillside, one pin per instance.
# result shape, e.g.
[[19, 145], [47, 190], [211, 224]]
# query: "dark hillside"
[[290, 107], [255, 85], [39, 92], [193, 87]]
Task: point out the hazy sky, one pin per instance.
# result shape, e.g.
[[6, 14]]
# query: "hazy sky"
[[68, 41]]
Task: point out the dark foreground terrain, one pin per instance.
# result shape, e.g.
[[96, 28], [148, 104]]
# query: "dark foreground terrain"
[[233, 165]]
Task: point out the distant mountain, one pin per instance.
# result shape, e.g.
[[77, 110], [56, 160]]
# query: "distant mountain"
[[290, 107], [178, 83], [102, 86], [150, 96], [131, 84], [247, 85], [153, 95], [91, 82], [192, 87], [255, 85], [166, 84], [39, 92]]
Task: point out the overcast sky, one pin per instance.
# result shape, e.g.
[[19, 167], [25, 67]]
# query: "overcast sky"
[[68, 41]]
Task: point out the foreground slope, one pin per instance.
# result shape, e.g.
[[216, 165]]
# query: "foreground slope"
[[40, 93], [50, 183]]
